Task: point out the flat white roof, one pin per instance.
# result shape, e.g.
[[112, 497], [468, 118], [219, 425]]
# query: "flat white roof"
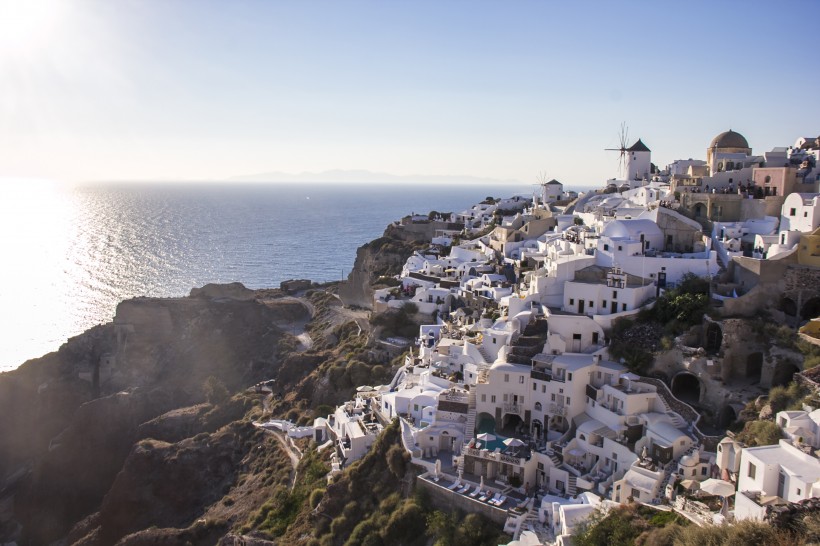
[[789, 458]]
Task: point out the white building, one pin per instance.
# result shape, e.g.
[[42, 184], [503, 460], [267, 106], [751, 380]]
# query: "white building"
[[774, 474], [800, 212]]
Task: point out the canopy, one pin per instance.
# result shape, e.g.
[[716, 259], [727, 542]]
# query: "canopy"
[[485, 437], [513, 442], [691, 485], [720, 488]]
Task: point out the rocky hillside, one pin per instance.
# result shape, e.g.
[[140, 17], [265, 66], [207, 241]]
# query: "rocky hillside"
[[382, 257], [74, 421]]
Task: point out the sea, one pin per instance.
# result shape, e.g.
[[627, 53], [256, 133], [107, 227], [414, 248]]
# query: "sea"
[[72, 252]]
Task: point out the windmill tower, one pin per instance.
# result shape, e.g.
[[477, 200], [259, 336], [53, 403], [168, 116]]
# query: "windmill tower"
[[638, 163]]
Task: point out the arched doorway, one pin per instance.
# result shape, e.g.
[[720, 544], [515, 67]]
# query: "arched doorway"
[[686, 387], [714, 338], [727, 416], [511, 424], [788, 306], [485, 423], [784, 373], [537, 429], [811, 309], [700, 210], [754, 365]]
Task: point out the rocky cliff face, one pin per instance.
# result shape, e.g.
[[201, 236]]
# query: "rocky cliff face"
[[65, 444], [382, 257]]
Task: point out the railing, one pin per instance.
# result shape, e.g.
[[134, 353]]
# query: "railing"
[[541, 376], [513, 408], [557, 409]]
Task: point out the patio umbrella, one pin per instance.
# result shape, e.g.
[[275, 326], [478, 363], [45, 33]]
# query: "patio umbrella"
[[364, 388], [513, 442], [691, 485], [716, 487], [485, 437], [438, 468], [481, 484]]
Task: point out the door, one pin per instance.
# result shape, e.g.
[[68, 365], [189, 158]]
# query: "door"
[[613, 307], [581, 306]]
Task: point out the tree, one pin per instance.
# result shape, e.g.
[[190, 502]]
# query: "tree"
[[215, 390]]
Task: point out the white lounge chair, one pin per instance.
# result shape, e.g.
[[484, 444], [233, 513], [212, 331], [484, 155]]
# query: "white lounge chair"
[[476, 493], [487, 495], [494, 499], [500, 501], [456, 484], [464, 489]]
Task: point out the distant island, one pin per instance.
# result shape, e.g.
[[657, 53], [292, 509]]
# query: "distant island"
[[361, 176]]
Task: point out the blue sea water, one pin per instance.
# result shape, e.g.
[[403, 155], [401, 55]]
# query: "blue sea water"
[[72, 253]]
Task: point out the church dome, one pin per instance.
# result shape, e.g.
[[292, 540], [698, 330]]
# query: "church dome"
[[729, 139]]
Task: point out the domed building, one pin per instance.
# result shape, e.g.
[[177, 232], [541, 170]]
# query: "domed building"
[[722, 153]]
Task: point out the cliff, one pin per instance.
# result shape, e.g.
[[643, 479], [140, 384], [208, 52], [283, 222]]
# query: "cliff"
[[382, 257], [70, 420]]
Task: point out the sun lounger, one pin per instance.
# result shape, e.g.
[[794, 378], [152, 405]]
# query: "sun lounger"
[[464, 489], [495, 498], [476, 493], [499, 501], [454, 485], [485, 496]]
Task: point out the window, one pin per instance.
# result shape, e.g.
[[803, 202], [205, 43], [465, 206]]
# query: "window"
[[483, 397], [505, 397], [544, 389], [599, 374], [595, 340], [552, 397], [614, 456], [506, 378], [614, 294], [703, 471], [623, 307], [569, 376], [568, 400], [521, 379], [792, 212], [572, 301], [767, 179], [805, 214], [603, 304], [752, 471], [636, 494], [534, 386], [415, 407], [620, 247], [494, 341], [798, 490], [606, 247]]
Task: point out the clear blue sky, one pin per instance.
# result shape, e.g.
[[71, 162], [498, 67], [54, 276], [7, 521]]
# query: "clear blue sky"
[[190, 89]]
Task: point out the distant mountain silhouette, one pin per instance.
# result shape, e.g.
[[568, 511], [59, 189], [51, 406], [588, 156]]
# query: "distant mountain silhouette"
[[365, 177]]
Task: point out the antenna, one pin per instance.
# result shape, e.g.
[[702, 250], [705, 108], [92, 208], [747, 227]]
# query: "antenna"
[[623, 138]]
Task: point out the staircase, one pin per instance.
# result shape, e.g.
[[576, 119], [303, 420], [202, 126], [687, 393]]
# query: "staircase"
[[554, 458], [469, 433], [483, 373], [572, 486], [484, 354]]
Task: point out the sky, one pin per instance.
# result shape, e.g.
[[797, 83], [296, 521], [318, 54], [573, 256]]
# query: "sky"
[[207, 90]]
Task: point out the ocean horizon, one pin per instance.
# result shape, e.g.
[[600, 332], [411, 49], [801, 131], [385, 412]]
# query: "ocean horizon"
[[73, 252]]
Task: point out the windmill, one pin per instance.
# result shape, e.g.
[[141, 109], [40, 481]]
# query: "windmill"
[[623, 137]]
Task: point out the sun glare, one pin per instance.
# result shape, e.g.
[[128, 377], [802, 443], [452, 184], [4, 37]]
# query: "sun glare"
[[27, 25]]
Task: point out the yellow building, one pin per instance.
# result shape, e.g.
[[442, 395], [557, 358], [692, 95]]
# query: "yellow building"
[[808, 250]]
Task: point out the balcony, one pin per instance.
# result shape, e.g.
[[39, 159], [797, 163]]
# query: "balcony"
[[557, 409], [513, 408]]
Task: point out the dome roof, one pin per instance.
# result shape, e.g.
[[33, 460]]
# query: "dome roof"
[[729, 139]]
